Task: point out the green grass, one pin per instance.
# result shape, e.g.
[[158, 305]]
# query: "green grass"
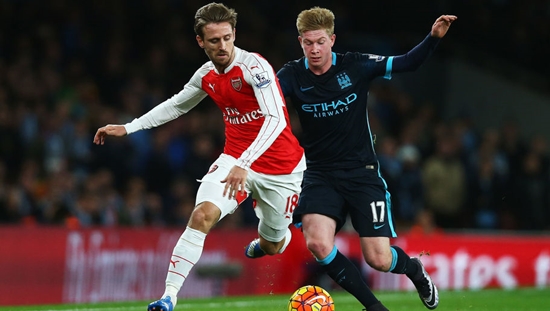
[[484, 300]]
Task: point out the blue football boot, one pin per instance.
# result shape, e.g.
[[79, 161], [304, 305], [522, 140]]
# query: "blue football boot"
[[253, 249], [163, 304]]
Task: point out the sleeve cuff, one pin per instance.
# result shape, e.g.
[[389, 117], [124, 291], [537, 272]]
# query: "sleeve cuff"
[[241, 164], [132, 127]]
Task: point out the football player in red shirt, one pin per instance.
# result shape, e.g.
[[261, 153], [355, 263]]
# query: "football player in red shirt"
[[261, 156]]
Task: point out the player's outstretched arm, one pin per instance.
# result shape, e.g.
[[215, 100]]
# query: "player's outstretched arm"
[[441, 25], [108, 130]]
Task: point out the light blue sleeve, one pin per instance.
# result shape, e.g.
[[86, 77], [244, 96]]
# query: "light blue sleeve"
[[389, 66]]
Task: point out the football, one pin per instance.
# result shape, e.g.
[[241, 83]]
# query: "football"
[[310, 298]]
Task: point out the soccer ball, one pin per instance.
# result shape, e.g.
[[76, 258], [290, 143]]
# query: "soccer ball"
[[310, 298]]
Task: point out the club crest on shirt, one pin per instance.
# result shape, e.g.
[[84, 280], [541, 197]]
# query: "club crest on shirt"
[[261, 79], [237, 83], [377, 58], [343, 80]]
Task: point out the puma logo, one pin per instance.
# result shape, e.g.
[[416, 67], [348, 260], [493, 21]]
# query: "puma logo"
[[174, 262]]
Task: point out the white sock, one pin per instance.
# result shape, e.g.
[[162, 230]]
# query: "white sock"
[[288, 237], [186, 253]]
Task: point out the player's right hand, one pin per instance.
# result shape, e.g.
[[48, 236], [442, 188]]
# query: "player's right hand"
[[108, 130]]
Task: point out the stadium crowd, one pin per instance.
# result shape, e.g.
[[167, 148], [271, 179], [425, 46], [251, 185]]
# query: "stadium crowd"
[[67, 68]]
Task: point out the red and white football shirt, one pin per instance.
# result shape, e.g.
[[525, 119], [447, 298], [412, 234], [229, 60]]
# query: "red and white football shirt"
[[257, 126]]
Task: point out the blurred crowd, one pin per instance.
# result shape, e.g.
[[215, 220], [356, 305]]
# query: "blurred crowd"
[[69, 67], [512, 31]]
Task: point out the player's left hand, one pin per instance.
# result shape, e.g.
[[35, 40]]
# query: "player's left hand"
[[441, 25], [234, 182], [109, 130]]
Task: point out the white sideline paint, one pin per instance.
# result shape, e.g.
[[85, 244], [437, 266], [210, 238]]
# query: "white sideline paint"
[[210, 305]]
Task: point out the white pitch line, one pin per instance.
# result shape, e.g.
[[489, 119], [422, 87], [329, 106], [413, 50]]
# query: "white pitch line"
[[210, 305]]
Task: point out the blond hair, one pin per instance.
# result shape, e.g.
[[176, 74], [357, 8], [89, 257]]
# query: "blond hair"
[[315, 18]]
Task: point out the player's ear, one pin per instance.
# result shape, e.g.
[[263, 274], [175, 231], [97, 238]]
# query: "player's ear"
[[200, 41], [332, 39]]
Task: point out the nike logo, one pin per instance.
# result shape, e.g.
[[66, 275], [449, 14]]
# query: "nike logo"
[[376, 227], [322, 297], [303, 89]]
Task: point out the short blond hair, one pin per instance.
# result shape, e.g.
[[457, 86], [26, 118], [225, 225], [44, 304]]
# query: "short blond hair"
[[315, 18]]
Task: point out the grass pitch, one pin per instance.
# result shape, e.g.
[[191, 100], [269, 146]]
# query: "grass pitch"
[[527, 299]]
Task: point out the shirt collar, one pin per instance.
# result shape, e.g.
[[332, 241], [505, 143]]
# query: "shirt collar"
[[333, 60]]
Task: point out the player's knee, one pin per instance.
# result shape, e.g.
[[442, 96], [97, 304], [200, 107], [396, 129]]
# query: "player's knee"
[[203, 219], [378, 262], [319, 248]]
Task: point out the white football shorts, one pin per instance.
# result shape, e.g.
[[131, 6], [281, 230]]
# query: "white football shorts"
[[275, 196]]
